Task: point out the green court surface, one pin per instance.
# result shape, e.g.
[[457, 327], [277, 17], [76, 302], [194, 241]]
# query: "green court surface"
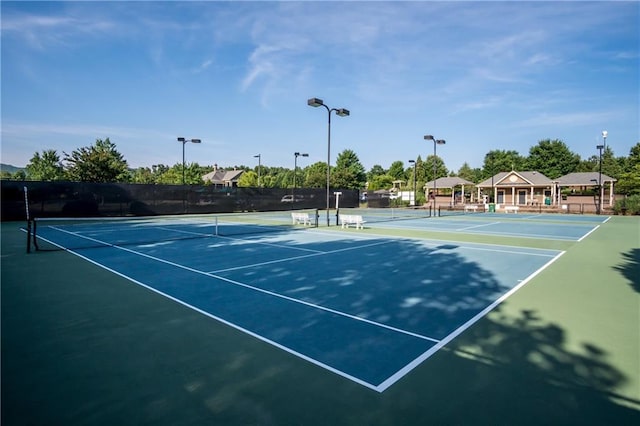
[[84, 345]]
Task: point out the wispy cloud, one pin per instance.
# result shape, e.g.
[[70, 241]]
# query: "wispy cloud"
[[573, 119]]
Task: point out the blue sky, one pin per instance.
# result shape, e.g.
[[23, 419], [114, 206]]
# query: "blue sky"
[[482, 75]]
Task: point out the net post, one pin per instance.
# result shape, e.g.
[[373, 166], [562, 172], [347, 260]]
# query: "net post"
[[28, 236], [26, 209], [215, 226], [34, 234]]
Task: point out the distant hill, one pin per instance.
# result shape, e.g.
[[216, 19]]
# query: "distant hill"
[[9, 168]]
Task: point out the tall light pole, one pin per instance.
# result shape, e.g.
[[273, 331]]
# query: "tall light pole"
[[342, 112], [259, 157], [184, 141], [435, 143], [414, 181], [295, 172], [600, 192], [604, 137]]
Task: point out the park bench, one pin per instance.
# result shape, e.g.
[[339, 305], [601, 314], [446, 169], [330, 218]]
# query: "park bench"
[[300, 218], [351, 219], [513, 209], [470, 208]]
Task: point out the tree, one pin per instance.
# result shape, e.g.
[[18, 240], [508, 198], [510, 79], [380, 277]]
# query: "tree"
[[610, 165], [634, 157], [349, 172], [98, 163], [316, 175], [588, 165], [552, 158], [496, 161], [142, 175], [46, 166], [248, 179], [380, 182], [629, 180], [472, 175], [376, 170], [396, 171], [440, 169]]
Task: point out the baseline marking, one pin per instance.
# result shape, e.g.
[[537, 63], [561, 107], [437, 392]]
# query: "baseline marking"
[[238, 283], [404, 371]]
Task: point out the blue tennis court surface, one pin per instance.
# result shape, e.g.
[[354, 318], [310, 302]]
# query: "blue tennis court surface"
[[367, 308], [549, 227]]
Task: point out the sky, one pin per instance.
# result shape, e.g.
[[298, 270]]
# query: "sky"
[[237, 75]]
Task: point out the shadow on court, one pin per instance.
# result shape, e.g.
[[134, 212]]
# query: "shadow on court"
[[630, 269], [83, 346]]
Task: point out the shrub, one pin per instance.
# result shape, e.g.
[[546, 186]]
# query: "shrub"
[[629, 205]]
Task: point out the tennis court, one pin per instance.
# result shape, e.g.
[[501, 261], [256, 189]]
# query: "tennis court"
[[369, 309], [400, 316], [539, 226]]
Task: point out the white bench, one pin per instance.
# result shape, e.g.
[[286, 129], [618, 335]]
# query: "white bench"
[[470, 208], [514, 209], [300, 218], [351, 219]]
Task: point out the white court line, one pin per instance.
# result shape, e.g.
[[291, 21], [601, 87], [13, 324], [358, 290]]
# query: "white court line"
[[220, 319], [588, 233], [404, 371], [379, 388], [253, 241], [477, 226], [317, 253], [260, 290]]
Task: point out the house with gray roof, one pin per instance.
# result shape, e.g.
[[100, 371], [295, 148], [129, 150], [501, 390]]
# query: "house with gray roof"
[[449, 182], [224, 178], [518, 188], [579, 182]]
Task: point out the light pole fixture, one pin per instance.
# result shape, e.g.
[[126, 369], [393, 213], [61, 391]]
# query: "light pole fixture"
[[342, 112], [259, 157], [414, 181], [435, 143], [600, 192], [295, 172], [604, 138], [184, 141]]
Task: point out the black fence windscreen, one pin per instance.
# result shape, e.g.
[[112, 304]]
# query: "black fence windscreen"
[[80, 199]]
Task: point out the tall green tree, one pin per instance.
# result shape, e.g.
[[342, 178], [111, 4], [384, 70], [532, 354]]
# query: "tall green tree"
[[634, 157], [380, 182], [629, 180], [376, 170], [552, 158], [173, 176], [248, 179], [100, 162], [496, 161], [46, 166], [472, 175], [348, 173], [611, 166], [428, 168], [396, 171], [316, 175], [588, 165], [142, 175]]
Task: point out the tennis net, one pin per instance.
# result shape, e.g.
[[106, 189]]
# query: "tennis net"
[[372, 215], [460, 210], [81, 233]]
